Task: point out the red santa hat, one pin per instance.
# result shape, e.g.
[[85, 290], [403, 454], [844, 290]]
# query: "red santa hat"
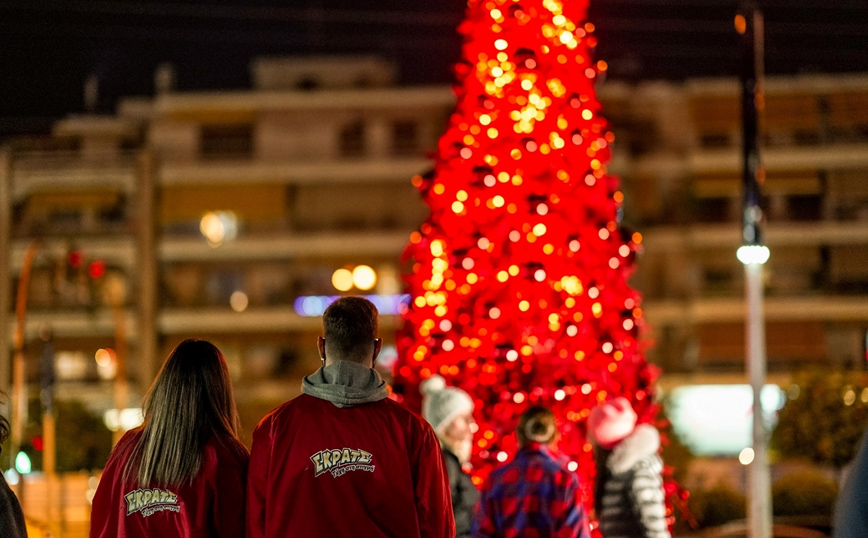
[[611, 422]]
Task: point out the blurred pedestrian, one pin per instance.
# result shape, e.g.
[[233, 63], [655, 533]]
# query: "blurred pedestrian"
[[342, 459], [851, 510], [629, 497], [11, 516], [449, 410], [533, 495], [183, 472]]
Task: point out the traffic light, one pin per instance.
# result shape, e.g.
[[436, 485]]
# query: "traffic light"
[[96, 269], [79, 278], [22, 463]]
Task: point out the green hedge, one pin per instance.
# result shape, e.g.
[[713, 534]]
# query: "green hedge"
[[716, 506], [804, 494]]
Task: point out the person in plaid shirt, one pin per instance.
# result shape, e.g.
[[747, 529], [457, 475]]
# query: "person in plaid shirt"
[[533, 496]]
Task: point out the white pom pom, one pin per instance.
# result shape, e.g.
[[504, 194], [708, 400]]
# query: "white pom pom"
[[433, 384]]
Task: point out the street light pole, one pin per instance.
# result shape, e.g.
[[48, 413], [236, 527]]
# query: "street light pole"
[[116, 299], [753, 254], [5, 271], [19, 392]]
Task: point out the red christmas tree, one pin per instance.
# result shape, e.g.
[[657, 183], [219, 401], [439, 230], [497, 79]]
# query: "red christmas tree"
[[519, 276]]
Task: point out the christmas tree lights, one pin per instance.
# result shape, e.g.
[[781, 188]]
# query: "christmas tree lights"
[[519, 276]]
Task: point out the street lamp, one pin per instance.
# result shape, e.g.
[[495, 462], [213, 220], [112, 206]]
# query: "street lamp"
[[753, 254]]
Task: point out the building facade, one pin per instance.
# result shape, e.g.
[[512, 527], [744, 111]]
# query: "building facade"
[[229, 215]]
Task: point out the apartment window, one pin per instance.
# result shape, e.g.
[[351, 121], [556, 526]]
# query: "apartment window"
[[226, 141], [352, 140], [718, 280], [847, 116], [405, 138], [713, 209], [307, 84], [715, 140], [848, 269], [805, 207], [803, 137], [643, 135]]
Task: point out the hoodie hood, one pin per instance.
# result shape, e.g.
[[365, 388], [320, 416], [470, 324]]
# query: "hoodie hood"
[[643, 442], [345, 384]]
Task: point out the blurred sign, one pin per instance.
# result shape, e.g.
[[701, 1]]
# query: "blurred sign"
[[127, 419], [716, 420]]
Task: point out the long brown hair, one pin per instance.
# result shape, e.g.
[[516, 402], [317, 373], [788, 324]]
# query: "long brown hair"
[[4, 430], [190, 401]]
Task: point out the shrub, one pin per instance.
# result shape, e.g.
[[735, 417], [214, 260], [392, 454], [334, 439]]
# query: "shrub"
[[804, 494], [716, 506], [824, 417]]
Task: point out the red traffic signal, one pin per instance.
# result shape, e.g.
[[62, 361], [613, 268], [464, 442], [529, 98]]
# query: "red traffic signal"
[[96, 269], [74, 258]]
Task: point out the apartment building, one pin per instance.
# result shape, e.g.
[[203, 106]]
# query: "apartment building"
[[229, 215], [216, 215], [684, 181]]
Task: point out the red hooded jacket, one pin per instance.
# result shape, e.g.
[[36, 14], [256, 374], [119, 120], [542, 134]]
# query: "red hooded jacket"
[[212, 506], [342, 460]]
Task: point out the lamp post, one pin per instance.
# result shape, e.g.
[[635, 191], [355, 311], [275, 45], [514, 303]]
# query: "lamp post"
[[753, 254], [19, 388]]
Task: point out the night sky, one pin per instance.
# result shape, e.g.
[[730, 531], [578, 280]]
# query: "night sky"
[[49, 47]]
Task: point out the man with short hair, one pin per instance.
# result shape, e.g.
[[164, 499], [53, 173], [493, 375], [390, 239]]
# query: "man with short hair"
[[342, 459]]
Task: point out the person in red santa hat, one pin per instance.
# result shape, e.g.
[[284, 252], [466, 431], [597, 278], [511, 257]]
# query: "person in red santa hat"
[[629, 497]]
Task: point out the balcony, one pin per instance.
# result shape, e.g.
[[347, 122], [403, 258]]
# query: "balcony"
[[286, 246], [234, 172], [66, 171], [274, 320]]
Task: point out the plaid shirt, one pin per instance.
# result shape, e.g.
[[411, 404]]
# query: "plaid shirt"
[[531, 497]]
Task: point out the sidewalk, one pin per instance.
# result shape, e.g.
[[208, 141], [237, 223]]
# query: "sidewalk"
[[69, 506]]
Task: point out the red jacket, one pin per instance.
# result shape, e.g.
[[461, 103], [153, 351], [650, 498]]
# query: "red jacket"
[[369, 471], [212, 506]]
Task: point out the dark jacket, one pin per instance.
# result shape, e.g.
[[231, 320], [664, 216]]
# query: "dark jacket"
[[344, 460], [464, 494], [11, 516], [629, 497], [851, 511]]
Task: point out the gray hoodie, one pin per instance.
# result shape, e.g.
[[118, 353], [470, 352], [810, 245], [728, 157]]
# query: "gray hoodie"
[[345, 384]]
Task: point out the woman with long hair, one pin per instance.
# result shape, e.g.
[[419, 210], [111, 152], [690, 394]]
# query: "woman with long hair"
[[183, 472], [11, 516]]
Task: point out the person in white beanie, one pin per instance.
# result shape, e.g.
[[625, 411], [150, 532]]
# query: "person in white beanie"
[[449, 410], [629, 497]]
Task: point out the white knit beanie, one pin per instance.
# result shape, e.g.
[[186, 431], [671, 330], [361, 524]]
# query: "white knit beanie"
[[442, 404]]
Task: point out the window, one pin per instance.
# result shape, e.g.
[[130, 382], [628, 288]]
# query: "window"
[[307, 84], [405, 138], [715, 140], [226, 141], [713, 209], [352, 140]]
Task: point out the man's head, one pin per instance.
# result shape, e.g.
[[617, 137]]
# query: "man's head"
[[537, 425], [350, 326], [449, 410]]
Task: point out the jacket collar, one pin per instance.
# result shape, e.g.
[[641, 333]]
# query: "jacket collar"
[[345, 384], [533, 446], [643, 442]]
